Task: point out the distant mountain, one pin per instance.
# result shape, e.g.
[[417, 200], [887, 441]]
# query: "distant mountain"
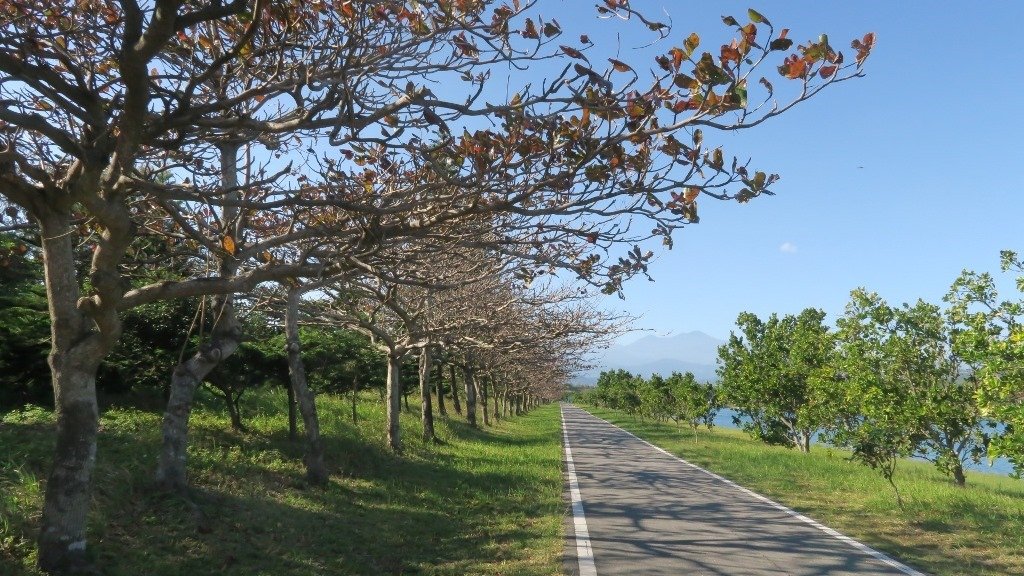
[[688, 352]]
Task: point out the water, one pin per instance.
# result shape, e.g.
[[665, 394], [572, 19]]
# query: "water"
[[1000, 466]]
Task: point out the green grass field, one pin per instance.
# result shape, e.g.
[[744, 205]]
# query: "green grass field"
[[943, 530], [483, 502]]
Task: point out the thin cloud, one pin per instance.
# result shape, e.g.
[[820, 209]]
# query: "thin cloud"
[[787, 247]]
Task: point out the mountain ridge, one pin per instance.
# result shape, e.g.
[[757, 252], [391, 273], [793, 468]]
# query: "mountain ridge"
[[693, 351]]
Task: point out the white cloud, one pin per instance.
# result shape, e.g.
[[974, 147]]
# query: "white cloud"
[[788, 247]]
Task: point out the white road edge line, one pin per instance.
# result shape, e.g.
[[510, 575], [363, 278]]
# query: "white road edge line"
[[833, 533], [584, 552]]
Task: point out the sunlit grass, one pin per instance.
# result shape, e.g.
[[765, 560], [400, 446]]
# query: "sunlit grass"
[[943, 529], [482, 502]]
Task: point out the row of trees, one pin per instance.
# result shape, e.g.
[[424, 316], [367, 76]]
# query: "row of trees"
[[292, 161], [939, 383], [680, 397]]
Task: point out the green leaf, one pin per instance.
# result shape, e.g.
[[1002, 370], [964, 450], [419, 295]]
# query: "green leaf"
[[756, 17]]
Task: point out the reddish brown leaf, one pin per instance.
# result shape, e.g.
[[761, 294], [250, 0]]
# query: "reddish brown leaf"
[[620, 66], [531, 30], [573, 53], [730, 54], [677, 58], [347, 10]]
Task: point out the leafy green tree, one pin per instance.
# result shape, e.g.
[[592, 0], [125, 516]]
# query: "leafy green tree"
[[693, 402], [656, 399], [617, 389], [764, 373], [895, 389], [989, 336]]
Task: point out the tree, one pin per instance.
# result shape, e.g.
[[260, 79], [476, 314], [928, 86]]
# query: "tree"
[[894, 389], [117, 106], [693, 402], [989, 336], [764, 375]]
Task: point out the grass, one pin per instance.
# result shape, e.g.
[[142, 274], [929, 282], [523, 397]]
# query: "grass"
[[482, 502], [943, 530]]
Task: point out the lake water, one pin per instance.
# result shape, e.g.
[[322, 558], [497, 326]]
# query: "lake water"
[[999, 466]]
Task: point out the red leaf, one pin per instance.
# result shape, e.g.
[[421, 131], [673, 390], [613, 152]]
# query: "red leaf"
[[677, 58]]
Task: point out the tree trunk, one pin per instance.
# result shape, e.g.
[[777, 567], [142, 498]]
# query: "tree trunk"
[[292, 418], [186, 377], [394, 401], [225, 338], [467, 374], [958, 474], [426, 411], [439, 386], [482, 383], [234, 412], [316, 470], [496, 397], [455, 390], [75, 354]]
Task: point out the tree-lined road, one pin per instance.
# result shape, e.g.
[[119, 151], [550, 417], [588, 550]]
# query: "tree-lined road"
[[649, 513]]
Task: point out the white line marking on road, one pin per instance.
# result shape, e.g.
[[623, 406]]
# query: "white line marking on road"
[[584, 552], [833, 533]]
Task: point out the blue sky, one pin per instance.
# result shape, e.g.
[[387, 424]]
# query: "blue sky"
[[895, 182]]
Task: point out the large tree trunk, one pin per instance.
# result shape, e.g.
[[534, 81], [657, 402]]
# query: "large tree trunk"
[[225, 338], [467, 374], [394, 400], [426, 411], [77, 349], [455, 390], [439, 386], [316, 471]]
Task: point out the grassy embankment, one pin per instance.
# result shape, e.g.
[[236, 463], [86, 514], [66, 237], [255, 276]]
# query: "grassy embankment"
[[483, 502], [943, 530]]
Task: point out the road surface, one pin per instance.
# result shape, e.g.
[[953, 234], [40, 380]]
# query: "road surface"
[[648, 513]]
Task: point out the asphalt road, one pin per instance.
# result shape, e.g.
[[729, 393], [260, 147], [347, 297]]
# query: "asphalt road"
[[648, 513]]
